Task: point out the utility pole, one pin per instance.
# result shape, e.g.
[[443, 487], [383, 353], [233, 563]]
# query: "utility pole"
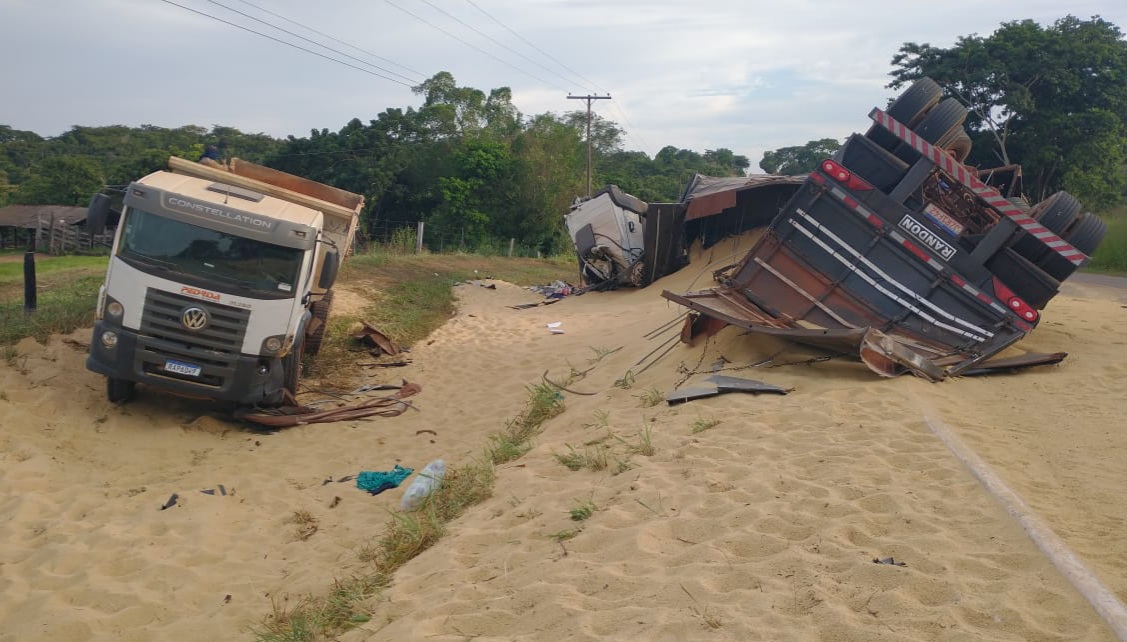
[[588, 99]]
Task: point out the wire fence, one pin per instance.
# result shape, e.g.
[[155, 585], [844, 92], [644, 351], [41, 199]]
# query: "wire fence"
[[417, 236]]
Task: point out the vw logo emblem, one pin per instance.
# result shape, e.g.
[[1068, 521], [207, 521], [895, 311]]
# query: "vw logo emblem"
[[194, 318]]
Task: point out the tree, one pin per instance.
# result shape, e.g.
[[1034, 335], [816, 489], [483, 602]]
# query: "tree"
[[1036, 96], [61, 181], [793, 161]]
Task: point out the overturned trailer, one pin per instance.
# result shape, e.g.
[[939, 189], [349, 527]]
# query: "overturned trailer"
[[621, 240], [898, 253]]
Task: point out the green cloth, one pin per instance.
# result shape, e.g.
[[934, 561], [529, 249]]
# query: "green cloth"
[[377, 481]]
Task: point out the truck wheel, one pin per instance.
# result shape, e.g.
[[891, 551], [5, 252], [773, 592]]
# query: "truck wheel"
[[638, 274], [292, 364], [959, 145], [908, 109], [1056, 213], [119, 390], [320, 311], [1086, 233], [942, 122]]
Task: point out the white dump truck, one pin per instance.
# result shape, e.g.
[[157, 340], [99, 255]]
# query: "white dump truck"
[[220, 279]]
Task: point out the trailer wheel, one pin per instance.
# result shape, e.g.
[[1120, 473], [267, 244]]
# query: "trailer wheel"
[[320, 311], [1056, 213], [1086, 233], [908, 109], [942, 122], [119, 391], [291, 364], [959, 145]]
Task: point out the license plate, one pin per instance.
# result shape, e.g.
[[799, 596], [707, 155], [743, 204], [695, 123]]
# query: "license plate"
[[179, 367]]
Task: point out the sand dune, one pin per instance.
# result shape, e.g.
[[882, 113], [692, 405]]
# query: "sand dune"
[[762, 526]]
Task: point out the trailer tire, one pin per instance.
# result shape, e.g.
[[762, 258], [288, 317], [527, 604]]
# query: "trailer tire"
[[119, 391], [1086, 233], [1056, 213], [320, 310], [959, 145], [943, 122], [908, 109]]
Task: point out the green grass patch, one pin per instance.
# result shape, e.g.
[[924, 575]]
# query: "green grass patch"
[[63, 306], [1111, 255]]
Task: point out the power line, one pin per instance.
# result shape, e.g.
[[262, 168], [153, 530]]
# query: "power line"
[[530, 44], [493, 40], [549, 56], [470, 45], [337, 40], [259, 20], [288, 44]]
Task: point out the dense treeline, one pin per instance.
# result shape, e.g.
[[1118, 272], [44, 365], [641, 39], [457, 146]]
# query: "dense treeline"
[[1050, 98], [464, 160]]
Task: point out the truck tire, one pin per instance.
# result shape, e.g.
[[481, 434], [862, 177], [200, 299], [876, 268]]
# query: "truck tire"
[[959, 145], [1056, 213], [291, 364], [1086, 233], [320, 310], [908, 109], [119, 391], [943, 121]]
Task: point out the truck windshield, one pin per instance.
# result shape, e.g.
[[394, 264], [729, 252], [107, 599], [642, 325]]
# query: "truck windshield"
[[154, 242]]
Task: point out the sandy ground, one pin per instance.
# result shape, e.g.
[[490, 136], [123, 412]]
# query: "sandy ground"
[[764, 526]]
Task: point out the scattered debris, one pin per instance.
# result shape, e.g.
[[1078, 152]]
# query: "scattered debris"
[[373, 338], [377, 481], [554, 327], [171, 502], [888, 560], [717, 384], [389, 406]]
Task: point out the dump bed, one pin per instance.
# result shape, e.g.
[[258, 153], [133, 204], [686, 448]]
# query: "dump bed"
[[340, 208]]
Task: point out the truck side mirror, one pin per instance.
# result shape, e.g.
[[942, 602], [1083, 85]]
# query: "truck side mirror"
[[329, 270], [97, 214]]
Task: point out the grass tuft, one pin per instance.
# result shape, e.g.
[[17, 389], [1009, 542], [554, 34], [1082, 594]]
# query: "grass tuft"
[[701, 425], [651, 397]]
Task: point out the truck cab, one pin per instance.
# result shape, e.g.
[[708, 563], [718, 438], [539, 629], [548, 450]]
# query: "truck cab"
[[211, 287]]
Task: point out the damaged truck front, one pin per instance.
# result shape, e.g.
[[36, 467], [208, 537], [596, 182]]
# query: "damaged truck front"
[[220, 279], [897, 252]]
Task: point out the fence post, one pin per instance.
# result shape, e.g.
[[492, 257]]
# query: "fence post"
[[29, 287], [419, 238], [511, 242]]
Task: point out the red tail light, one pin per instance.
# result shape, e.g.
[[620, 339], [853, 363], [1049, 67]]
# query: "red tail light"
[[1015, 303], [844, 176]]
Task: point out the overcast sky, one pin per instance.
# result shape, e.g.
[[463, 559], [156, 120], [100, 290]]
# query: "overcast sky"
[[743, 74]]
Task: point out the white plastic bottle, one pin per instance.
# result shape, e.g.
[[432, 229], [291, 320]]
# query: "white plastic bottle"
[[426, 482]]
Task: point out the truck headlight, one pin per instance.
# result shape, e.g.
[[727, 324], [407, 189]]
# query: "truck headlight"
[[272, 344], [109, 338], [114, 309]]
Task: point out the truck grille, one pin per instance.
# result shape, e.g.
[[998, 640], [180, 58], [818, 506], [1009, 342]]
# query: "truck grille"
[[216, 348]]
